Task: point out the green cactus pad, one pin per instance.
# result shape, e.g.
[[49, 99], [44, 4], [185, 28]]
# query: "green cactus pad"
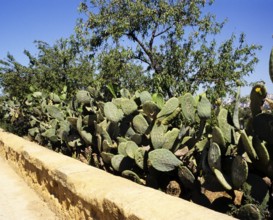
[[131, 148], [261, 151], [172, 116], [239, 171], [186, 177], [219, 175], [150, 108], [86, 136], [83, 97], [139, 157], [112, 113], [214, 156], [125, 93], [106, 157], [79, 124], [55, 112], [54, 97], [247, 144], [158, 99], [200, 145], [157, 135], [121, 163], [50, 134], [263, 127], [37, 94], [140, 124], [235, 117], [145, 97], [169, 107], [116, 161], [33, 131], [223, 124], [170, 138], [204, 108], [271, 65], [163, 160], [257, 95], [218, 138], [128, 106], [122, 148], [128, 174], [72, 121], [188, 106], [249, 212]]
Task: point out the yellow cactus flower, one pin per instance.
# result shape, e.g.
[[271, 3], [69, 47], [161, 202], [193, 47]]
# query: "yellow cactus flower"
[[258, 90]]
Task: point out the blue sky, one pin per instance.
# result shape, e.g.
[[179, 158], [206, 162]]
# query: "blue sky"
[[24, 21]]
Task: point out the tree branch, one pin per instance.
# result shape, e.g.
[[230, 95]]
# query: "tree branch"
[[145, 49]]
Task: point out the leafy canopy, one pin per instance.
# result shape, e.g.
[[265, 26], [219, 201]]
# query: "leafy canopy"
[[173, 39], [63, 64]]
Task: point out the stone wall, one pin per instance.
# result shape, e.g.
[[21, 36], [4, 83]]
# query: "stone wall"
[[75, 190]]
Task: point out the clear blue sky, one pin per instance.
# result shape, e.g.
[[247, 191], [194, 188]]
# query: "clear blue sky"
[[24, 21]]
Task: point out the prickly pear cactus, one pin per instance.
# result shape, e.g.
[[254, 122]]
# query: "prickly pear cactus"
[[214, 156], [188, 106], [170, 106], [158, 135], [140, 124], [204, 108], [271, 65], [263, 127], [249, 212], [112, 113], [257, 96], [163, 160], [83, 97], [239, 171]]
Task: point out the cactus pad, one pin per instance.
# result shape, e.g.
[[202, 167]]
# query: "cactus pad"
[[128, 106], [204, 108], [219, 175], [188, 106], [214, 156], [249, 211], [170, 138], [263, 127], [140, 124], [55, 112], [169, 107], [218, 138], [157, 135], [224, 125], [186, 176], [271, 65], [247, 144], [112, 113], [239, 171], [83, 97], [163, 160]]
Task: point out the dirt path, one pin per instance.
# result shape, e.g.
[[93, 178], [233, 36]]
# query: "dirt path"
[[17, 200]]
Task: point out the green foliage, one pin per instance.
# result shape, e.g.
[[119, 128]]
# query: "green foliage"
[[171, 39], [171, 135], [63, 64], [150, 144]]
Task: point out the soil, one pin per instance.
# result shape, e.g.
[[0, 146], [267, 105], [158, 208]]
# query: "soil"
[[18, 200]]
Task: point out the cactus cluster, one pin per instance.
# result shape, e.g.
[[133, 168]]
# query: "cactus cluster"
[[183, 146]]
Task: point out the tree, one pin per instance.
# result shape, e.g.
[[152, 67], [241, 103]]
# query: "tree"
[[115, 68], [173, 39], [63, 64]]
